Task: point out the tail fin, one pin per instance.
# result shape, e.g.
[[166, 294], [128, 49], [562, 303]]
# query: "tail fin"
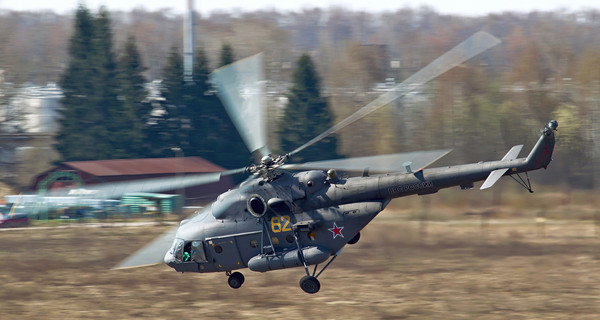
[[539, 157], [497, 174], [541, 154]]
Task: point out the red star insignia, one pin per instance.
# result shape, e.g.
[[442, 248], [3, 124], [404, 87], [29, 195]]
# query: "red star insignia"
[[337, 231]]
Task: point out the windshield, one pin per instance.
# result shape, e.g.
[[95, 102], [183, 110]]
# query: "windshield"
[[188, 251], [177, 249]]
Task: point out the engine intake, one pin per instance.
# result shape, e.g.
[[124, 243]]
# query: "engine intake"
[[257, 205]]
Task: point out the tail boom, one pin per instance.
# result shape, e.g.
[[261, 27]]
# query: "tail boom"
[[427, 181], [431, 180]]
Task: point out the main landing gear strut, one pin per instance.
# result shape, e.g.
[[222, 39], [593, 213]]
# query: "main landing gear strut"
[[309, 283]]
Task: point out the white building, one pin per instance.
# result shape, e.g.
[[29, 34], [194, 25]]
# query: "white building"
[[34, 109], [28, 124]]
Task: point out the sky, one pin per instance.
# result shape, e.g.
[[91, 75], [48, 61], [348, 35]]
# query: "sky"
[[461, 7]]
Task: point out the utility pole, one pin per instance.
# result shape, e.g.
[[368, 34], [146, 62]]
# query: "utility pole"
[[188, 42]]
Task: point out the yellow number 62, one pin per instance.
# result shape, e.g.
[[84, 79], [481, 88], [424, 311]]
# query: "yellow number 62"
[[280, 224]]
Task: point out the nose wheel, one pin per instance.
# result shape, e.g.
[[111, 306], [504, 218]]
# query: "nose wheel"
[[235, 279]]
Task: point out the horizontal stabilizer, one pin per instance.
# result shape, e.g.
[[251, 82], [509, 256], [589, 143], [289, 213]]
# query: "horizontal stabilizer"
[[493, 177], [379, 164], [513, 153]]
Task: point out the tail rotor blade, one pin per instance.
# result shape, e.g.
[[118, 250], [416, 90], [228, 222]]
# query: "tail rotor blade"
[[474, 45]]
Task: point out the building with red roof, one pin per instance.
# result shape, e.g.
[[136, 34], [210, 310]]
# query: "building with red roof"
[[88, 173]]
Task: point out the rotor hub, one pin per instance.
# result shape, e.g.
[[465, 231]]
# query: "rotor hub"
[[268, 165]]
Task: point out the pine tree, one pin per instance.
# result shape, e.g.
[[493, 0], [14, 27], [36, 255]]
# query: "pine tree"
[[132, 94], [111, 131], [201, 71], [307, 115], [215, 136], [192, 118], [204, 113], [167, 128], [102, 110], [75, 141], [227, 55]]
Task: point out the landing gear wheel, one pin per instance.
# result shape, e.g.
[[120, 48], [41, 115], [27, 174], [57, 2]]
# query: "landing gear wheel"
[[310, 284], [355, 239], [235, 280]]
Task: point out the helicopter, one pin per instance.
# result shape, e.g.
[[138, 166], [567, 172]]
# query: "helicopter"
[[303, 215]]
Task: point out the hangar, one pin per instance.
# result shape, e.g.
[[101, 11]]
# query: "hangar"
[[88, 173]]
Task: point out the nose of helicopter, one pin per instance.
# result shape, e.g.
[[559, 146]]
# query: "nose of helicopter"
[[170, 259]]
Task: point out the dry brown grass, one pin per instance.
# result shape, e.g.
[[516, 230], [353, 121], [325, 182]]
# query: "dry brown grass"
[[398, 270]]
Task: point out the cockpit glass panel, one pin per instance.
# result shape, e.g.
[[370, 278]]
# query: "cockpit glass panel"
[[177, 249], [198, 254]]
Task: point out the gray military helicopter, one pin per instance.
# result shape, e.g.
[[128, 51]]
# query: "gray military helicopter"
[[301, 215]]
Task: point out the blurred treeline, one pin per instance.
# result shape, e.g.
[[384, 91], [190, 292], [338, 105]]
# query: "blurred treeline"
[[548, 67]]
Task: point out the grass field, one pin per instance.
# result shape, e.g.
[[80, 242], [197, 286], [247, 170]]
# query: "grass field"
[[507, 269]]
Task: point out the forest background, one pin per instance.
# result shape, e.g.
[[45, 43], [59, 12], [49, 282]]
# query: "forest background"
[[547, 67]]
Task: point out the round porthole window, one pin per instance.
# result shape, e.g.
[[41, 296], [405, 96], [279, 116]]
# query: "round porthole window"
[[290, 238], [275, 241]]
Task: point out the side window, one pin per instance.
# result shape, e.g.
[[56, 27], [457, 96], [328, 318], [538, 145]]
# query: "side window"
[[198, 254]]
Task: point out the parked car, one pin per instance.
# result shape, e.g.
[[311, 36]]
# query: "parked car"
[[13, 221]]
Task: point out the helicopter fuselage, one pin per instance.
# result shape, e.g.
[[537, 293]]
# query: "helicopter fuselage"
[[304, 218], [293, 207]]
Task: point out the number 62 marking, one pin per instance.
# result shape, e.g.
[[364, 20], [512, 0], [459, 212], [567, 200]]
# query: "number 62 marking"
[[280, 224]]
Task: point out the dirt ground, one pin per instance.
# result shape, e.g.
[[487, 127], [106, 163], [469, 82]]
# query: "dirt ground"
[[511, 269]]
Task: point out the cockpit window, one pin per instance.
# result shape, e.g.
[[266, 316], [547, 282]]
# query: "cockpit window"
[[198, 252], [188, 251], [177, 249]]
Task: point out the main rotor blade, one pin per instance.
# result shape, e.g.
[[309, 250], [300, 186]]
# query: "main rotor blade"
[[117, 189], [397, 162], [241, 88], [151, 254], [474, 45]]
